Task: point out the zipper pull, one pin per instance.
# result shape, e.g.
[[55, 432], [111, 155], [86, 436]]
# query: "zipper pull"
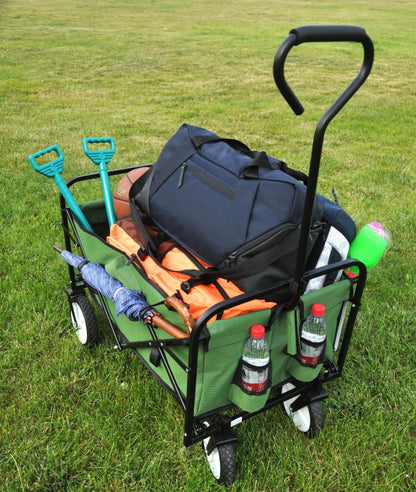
[[231, 260], [334, 194], [182, 174]]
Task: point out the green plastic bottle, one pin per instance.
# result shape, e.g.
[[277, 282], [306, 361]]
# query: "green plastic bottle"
[[369, 245]]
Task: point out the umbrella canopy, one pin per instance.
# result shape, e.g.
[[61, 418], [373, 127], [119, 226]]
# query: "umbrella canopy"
[[132, 303]]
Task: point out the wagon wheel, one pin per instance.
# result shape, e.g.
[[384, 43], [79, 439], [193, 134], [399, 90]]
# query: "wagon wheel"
[[84, 320], [309, 419], [221, 460]]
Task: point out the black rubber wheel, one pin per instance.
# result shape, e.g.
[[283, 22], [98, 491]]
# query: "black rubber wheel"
[[84, 320], [221, 462], [309, 419], [317, 415]]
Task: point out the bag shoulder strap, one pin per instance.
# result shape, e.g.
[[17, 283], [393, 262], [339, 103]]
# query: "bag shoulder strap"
[[140, 189]]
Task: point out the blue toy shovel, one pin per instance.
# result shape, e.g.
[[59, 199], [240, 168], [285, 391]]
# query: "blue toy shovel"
[[53, 170], [102, 158]]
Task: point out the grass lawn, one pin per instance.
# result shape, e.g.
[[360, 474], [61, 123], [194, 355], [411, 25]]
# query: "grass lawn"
[[73, 418]]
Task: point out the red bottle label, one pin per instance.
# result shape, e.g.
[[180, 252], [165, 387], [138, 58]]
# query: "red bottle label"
[[255, 380], [312, 361]]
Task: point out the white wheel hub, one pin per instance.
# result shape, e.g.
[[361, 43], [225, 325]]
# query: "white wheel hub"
[[213, 459], [79, 322], [302, 417]]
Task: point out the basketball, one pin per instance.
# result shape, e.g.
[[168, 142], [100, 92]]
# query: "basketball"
[[121, 191]]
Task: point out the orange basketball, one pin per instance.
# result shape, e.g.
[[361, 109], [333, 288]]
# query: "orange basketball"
[[121, 191]]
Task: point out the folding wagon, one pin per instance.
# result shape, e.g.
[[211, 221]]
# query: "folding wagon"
[[197, 363]]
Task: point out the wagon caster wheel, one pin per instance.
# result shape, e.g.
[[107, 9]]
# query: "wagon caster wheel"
[[309, 419], [84, 320], [221, 460]]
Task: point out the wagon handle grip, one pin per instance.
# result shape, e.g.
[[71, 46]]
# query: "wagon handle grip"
[[313, 34]]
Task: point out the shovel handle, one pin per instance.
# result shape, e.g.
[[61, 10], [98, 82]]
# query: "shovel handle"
[[101, 158], [53, 169], [50, 168], [101, 155]]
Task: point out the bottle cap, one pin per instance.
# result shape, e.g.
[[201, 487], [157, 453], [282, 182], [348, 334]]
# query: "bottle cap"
[[258, 331], [318, 309]]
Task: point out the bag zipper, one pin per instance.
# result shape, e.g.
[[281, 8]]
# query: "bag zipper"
[[182, 174], [253, 246], [207, 179]]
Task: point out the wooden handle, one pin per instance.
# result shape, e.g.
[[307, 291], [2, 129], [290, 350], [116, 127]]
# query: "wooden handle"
[[168, 327], [175, 303]]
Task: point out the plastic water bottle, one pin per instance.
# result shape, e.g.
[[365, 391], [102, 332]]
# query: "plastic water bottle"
[[313, 335], [255, 370]]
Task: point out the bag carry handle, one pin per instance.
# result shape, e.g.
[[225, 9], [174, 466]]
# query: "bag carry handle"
[[259, 159], [199, 140], [312, 34]]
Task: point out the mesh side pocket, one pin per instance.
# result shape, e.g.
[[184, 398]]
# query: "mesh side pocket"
[[250, 394]]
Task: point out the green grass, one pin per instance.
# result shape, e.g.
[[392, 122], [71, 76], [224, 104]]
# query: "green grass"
[[74, 419]]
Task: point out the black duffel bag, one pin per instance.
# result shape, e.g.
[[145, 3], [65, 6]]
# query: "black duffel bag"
[[240, 211]]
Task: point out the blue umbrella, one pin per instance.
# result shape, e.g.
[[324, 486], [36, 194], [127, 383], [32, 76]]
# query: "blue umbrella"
[[132, 303]]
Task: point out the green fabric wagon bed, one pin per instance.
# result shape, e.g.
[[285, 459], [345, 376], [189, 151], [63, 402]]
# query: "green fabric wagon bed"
[[218, 358]]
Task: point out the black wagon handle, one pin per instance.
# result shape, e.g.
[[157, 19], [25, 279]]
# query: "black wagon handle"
[[314, 34]]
